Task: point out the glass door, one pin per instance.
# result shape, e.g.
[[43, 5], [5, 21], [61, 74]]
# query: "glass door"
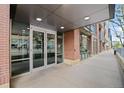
[[59, 47], [51, 59], [38, 49], [43, 48]]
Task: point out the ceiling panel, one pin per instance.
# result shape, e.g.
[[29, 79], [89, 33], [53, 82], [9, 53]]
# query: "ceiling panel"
[[68, 15], [29, 12], [58, 22], [50, 7], [22, 13], [75, 12], [37, 11], [43, 25], [99, 16], [67, 27]]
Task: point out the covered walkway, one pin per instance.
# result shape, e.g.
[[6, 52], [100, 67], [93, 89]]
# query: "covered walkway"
[[100, 71]]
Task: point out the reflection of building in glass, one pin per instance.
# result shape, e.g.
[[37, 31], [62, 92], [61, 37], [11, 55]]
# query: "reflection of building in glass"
[[84, 51], [19, 41], [85, 37], [18, 44], [19, 48]]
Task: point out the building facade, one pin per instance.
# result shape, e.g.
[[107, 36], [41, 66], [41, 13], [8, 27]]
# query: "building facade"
[[31, 40], [86, 42]]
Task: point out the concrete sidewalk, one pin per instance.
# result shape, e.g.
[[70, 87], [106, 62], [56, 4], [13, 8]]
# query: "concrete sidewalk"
[[101, 71]]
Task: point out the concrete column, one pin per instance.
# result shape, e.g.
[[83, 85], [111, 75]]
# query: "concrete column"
[[4, 45]]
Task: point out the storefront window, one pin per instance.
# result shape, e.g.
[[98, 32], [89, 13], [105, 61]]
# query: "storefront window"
[[59, 47], [94, 46], [92, 28], [84, 46], [50, 49], [19, 48]]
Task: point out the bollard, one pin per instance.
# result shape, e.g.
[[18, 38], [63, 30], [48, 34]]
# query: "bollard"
[[114, 52]]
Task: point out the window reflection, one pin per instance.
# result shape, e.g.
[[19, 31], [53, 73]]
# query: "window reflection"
[[50, 48], [84, 52], [94, 46], [38, 49], [19, 48], [59, 47]]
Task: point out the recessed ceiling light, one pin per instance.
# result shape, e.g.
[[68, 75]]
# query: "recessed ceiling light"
[[62, 27], [28, 28], [39, 19], [23, 31], [86, 18]]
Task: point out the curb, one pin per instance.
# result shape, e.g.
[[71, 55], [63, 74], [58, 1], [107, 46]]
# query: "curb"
[[120, 60]]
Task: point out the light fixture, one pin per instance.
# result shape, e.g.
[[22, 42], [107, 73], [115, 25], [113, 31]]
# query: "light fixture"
[[86, 18], [62, 27], [23, 31], [39, 19], [28, 28]]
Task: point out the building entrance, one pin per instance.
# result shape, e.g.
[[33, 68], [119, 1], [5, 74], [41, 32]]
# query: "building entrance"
[[32, 49], [43, 48]]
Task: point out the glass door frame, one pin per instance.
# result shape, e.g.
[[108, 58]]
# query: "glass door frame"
[[55, 34], [45, 31]]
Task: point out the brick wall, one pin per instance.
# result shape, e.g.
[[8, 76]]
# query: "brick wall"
[[72, 45], [98, 41], [69, 45], [91, 45], [4, 44], [77, 44]]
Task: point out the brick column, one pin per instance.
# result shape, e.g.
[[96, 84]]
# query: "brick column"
[[69, 45], [91, 45], [77, 44], [4, 45], [72, 46], [97, 37]]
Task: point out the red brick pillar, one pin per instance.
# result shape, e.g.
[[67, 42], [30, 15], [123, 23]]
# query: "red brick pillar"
[[91, 45], [97, 37], [77, 44], [100, 46], [4, 45], [72, 46]]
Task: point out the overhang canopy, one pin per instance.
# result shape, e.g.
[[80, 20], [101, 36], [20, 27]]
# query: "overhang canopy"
[[70, 16], [85, 32]]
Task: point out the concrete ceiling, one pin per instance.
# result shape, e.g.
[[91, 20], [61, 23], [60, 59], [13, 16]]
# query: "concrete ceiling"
[[70, 16]]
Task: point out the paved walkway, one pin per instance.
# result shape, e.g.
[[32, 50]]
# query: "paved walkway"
[[101, 71]]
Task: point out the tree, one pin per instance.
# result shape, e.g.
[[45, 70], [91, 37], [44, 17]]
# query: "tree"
[[117, 44], [118, 22]]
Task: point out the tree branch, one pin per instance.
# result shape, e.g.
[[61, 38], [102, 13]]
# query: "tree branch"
[[118, 35]]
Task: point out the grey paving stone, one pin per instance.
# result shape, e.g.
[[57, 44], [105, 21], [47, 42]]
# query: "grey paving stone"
[[101, 71]]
